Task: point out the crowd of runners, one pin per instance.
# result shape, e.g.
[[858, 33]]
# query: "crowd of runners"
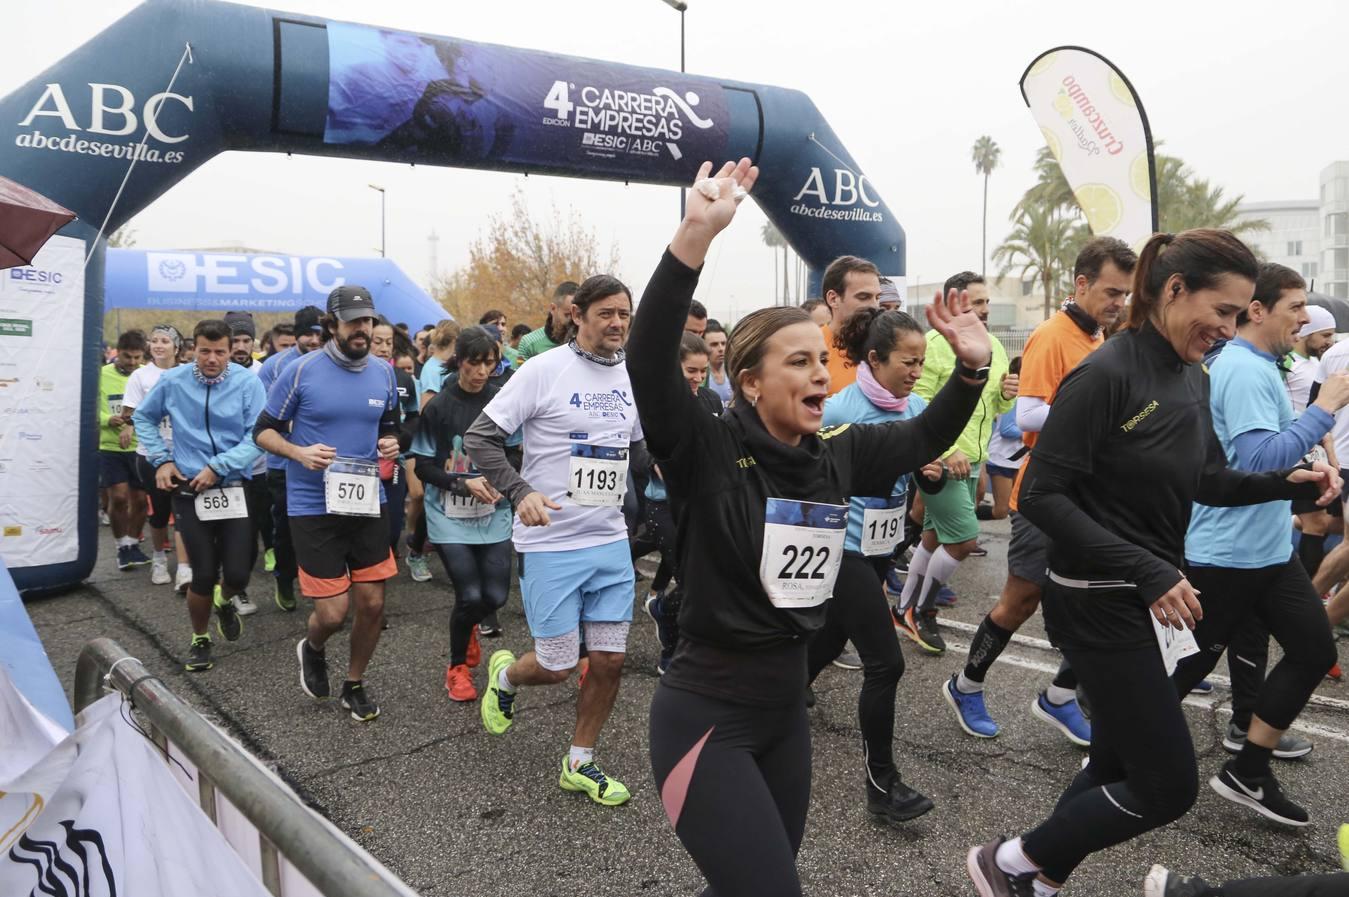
[[808, 482]]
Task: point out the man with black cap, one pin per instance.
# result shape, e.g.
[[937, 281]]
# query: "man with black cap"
[[243, 333], [332, 415], [308, 335]]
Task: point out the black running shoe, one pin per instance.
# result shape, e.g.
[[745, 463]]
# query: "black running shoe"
[[124, 558], [135, 557], [199, 655], [227, 619], [360, 702], [899, 805], [1161, 882], [313, 670], [489, 627], [928, 632], [1263, 795], [982, 865]]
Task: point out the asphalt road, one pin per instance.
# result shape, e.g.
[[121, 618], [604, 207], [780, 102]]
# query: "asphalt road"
[[454, 811]]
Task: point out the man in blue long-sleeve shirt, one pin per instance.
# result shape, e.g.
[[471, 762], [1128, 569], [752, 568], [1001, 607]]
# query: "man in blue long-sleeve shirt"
[[1241, 560], [212, 405]]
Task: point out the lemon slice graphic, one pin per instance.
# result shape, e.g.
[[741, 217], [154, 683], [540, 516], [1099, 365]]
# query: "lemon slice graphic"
[[1121, 90], [1102, 206], [1139, 178], [1052, 141], [1044, 64]]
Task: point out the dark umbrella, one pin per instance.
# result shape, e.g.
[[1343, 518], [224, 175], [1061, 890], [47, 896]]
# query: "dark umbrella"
[[27, 221]]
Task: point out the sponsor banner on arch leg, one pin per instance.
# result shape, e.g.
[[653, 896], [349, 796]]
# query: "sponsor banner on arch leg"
[[40, 403]]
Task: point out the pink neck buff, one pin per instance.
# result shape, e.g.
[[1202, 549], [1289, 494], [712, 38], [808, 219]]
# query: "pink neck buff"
[[878, 395]]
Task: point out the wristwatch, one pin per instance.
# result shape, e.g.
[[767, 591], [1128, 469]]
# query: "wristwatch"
[[978, 374]]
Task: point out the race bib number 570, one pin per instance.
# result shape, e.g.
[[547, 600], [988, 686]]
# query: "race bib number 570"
[[802, 551]]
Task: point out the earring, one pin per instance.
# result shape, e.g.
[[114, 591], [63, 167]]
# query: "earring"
[[753, 401]]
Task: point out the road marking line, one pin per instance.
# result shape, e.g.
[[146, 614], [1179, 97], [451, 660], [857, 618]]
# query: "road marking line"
[[1203, 703], [1032, 642]]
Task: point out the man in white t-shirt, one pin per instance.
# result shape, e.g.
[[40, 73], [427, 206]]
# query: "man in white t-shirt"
[[580, 429], [1315, 337]]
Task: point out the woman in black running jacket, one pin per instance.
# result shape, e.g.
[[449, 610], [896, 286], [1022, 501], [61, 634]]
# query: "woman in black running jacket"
[[763, 498]]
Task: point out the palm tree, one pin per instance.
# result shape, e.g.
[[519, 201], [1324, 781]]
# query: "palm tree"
[[1186, 201], [985, 156], [773, 238], [1043, 244], [1051, 189]]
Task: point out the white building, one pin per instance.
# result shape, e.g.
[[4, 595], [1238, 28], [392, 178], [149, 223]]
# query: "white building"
[[1310, 236]]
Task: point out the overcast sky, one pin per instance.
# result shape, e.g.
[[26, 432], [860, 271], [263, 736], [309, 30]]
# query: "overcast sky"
[[1252, 95]]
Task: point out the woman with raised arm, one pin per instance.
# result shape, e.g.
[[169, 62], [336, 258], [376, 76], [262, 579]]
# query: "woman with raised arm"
[[764, 506], [1125, 452]]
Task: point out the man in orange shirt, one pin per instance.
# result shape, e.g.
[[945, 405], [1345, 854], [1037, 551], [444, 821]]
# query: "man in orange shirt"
[[849, 283], [1102, 280]]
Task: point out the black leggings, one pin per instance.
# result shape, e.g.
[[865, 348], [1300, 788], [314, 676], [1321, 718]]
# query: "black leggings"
[[286, 569], [481, 575], [735, 782], [259, 497], [659, 536], [1142, 773], [1276, 600], [396, 493], [859, 611], [161, 502], [219, 548]]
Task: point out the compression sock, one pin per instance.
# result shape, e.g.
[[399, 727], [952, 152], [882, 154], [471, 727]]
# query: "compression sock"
[[914, 580], [1311, 550], [580, 756], [1253, 761], [988, 642], [1013, 860], [939, 570], [505, 684]]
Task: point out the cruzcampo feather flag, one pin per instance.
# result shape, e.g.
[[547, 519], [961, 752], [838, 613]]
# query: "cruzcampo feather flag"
[[1094, 124]]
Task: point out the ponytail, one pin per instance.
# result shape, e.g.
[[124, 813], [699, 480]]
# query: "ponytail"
[[1200, 256], [873, 330]]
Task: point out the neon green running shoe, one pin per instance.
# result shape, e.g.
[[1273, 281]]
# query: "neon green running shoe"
[[227, 620], [269, 560], [497, 706], [1344, 846], [588, 777]]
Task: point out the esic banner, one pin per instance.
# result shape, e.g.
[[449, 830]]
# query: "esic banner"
[[1094, 124], [40, 404], [451, 101]]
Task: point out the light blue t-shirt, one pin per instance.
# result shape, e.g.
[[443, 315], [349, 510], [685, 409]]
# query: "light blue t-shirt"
[[444, 530], [1246, 394], [432, 377], [850, 406]]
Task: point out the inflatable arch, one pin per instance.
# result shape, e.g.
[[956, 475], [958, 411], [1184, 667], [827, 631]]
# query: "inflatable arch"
[[176, 82]]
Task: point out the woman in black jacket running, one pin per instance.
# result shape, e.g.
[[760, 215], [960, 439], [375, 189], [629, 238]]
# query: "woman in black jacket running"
[[764, 505], [1126, 450]]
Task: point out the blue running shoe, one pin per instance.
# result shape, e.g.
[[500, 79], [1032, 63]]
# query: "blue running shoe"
[[945, 597], [667, 628], [1204, 687], [1067, 718], [970, 710]]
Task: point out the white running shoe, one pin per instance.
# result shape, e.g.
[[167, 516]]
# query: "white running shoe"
[[159, 573], [183, 580], [242, 606]]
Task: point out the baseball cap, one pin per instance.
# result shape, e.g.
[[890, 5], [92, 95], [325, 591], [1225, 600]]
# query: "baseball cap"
[[240, 322], [307, 318], [349, 302], [1318, 319]]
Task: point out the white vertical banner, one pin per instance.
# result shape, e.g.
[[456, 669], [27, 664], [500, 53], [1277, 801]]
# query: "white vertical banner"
[[1094, 124], [41, 330]]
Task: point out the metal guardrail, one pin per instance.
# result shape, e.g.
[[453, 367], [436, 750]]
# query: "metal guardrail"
[[335, 865]]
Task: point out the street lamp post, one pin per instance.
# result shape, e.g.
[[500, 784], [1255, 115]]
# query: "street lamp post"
[[681, 7], [381, 216]]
